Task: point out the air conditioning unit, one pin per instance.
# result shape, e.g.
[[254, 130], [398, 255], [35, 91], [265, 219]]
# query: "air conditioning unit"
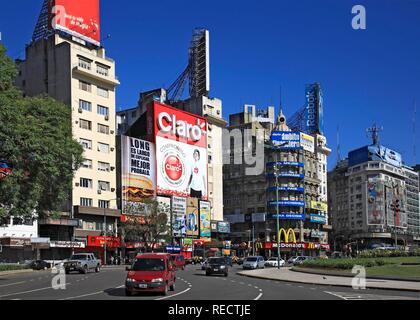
[[112, 149], [112, 189], [218, 112], [106, 118], [99, 191], [112, 132], [112, 168], [77, 184], [80, 110]]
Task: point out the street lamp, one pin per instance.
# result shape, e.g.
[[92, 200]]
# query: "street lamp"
[[105, 261], [277, 210]]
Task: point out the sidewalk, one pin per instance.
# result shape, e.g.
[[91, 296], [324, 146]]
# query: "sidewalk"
[[285, 274]]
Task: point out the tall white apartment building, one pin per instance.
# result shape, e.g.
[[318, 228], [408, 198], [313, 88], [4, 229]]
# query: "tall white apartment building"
[[82, 77]]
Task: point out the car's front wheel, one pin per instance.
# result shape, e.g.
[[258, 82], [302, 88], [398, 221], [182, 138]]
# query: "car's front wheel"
[[85, 269]]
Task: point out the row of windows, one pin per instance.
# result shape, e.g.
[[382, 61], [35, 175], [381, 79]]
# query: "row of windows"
[[102, 166], [87, 145], [86, 86], [87, 106], [87, 202], [88, 183], [87, 125], [100, 68]]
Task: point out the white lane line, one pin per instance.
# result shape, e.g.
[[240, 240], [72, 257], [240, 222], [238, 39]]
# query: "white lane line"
[[256, 287], [174, 295], [11, 284], [90, 294], [29, 291], [336, 295], [259, 297]]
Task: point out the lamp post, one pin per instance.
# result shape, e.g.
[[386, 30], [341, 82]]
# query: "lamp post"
[[277, 211]]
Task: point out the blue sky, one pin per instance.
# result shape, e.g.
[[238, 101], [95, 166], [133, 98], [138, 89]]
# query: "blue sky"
[[367, 76]]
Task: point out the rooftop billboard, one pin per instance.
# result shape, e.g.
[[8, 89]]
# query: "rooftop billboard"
[[181, 151], [77, 18]]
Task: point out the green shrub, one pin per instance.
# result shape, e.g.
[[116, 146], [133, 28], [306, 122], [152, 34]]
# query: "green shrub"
[[12, 267]]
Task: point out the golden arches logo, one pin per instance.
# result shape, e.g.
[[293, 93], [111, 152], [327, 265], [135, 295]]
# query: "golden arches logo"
[[287, 235]]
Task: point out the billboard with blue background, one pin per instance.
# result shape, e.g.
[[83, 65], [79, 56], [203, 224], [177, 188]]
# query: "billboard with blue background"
[[286, 139], [314, 113]]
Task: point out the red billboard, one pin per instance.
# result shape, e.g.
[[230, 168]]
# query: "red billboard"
[[181, 151], [111, 242], [77, 18]]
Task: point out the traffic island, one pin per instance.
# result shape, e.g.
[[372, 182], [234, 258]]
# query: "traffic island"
[[288, 275]]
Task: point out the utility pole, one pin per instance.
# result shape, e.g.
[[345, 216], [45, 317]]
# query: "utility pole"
[[277, 210]]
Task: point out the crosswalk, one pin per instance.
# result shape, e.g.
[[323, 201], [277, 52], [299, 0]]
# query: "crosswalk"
[[366, 296]]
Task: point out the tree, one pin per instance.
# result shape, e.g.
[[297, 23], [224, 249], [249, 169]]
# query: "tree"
[[36, 139], [151, 228]]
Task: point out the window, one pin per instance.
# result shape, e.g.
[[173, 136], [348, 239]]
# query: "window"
[[84, 63], [85, 124], [103, 166], [102, 92], [104, 186], [104, 111], [85, 86], [103, 129], [102, 69], [133, 114], [103, 204], [103, 147], [86, 183], [85, 105], [87, 164], [86, 202], [86, 144]]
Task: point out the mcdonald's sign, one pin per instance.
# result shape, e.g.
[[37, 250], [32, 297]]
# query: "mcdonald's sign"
[[287, 235]]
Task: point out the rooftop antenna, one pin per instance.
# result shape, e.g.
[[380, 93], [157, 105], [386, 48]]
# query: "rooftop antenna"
[[414, 132], [281, 100], [374, 133], [338, 145]]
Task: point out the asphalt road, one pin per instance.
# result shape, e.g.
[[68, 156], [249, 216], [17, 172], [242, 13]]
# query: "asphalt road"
[[192, 284]]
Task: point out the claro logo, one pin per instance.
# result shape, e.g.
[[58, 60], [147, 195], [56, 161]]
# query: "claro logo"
[[173, 168], [169, 124]]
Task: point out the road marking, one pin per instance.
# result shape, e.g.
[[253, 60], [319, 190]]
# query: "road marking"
[[174, 295], [11, 284], [258, 297], [29, 291], [367, 296], [256, 287], [90, 294]]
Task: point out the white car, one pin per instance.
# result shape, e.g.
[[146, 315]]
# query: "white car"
[[256, 262], [273, 262]]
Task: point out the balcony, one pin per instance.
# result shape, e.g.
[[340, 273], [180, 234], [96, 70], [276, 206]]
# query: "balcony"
[[67, 222], [92, 74]]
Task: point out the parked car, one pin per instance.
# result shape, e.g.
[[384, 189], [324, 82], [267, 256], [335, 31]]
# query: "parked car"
[[301, 259], [240, 261], [179, 261], [82, 263], [40, 265], [291, 260], [217, 265], [256, 262], [151, 272], [273, 262]]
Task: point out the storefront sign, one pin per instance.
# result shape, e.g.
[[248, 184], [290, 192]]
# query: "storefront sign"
[[317, 218], [320, 206], [285, 216], [223, 227], [67, 244], [111, 242]]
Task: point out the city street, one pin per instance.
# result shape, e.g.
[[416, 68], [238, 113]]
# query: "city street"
[[192, 284]]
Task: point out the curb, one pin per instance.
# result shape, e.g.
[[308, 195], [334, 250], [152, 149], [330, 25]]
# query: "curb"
[[5, 273], [328, 284], [320, 272]]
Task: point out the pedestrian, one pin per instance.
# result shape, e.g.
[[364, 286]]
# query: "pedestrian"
[[112, 260]]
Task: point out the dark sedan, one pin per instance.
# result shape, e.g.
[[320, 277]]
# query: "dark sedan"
[[40, 265], [217, 266]]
